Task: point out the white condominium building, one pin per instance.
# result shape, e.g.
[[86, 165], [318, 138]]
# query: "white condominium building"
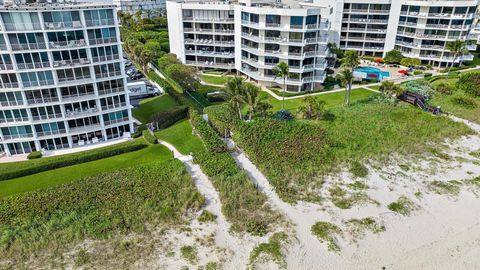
[[132, 6], [252, 36], [62, 81]]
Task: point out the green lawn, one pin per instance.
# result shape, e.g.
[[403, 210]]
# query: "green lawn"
[[214, 72], [180, 136], [332, 100], [375, 87], [76, 172], [219, 80], [148, 107]]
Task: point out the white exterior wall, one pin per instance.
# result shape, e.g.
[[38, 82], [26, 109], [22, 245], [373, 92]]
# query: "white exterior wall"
[[175, 29]]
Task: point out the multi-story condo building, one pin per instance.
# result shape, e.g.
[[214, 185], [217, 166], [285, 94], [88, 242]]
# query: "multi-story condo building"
[[252, 36], [62, 81], [132, 6]]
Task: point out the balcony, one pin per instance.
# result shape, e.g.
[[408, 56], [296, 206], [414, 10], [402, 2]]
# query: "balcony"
[[14, 120], [79, 97], [29, 46], [33, 65], [111, 91], [210, 53], [62, 25], [38, 83], [115, 121], [18, 27], [100, 22], [81, 112], [113, 106], [67, 44], [9, 85], [105, 58], [42, 100], [108, 74], [245, 22], [47, 117], [208, 20], [209, 42], [211, 64], [50, 133], [6, 66], [18, 136], [88, 128], [96, 41], [8, 103], [71, 62], [77, 79]]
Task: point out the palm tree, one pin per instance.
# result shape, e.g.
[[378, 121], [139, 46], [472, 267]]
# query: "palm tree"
[[390, 88], [350, 61], [456, 47], [281, 70], [346, 76], [312, 108], [252, 98], [235, 90]]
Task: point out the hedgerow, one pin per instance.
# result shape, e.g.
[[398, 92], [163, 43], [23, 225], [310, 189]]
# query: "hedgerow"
[[149, 137], [99, 207], [165, 119], [23, 168], [242, 204]]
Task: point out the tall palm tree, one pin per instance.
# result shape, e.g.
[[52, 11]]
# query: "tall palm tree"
[[252, 98], [346, 76], [281, 70], [456, 47], [235, 90], [350, 61]]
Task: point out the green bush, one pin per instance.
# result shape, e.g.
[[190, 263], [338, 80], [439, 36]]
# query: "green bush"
[[419, 87], [466, 102], [23, 168], [168, 118], [136, 134], [469, 82], [99, 207], [34, 155], [209, 136], [358, 169], [427, 75], [149, 137], [444, 88]]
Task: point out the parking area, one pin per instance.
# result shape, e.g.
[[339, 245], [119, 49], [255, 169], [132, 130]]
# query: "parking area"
[[135, 76]]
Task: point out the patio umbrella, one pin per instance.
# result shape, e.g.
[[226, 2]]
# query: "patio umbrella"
[[373, 76], [378, 61], [403, 71]]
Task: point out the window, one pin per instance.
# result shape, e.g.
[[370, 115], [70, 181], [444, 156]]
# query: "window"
[[296, 20], [21, 21]]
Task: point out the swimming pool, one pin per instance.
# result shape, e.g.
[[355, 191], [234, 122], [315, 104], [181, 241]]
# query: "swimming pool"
[[370, 73]]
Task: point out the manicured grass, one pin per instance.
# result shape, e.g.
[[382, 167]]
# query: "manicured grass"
[[332, 99], [214, 72], [148, 107], [180, 135], [219, 80], [375, 87], [68, 174]]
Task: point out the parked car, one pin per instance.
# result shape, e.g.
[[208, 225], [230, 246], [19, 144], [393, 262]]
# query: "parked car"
[[128, 63], [136, 76], [131, 71]]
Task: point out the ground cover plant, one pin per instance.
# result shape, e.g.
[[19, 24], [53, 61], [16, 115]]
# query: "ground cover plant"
[[218, 80], [358, 227], [327, 232], [296, 155], [150, 106], [100, 207], [23, 168], [403, 206], [76, 172], [180, 135], [272, 250], [242, 204], [151, 139]]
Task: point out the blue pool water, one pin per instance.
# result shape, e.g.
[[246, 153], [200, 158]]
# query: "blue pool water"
[[372, 73]]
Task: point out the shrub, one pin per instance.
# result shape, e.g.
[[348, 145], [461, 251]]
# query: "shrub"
[[463, 101], [207, 216], [165, 119], [23, 168], [34, 155], [208, 135], [149, 137], [419, 87], [325, 232], [469, 82], [115, 203], [427, 75], [358, 169], [444, 88], [403, 206], [417, 72], [136, 134]]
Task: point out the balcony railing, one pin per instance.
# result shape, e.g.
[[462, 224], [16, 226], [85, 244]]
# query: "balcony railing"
[[13, 120], [73, 79], [111, 91], [42, 100], [6, 66], [209, 41], [9, 85], [85, 128], [108, 74], [113, 106], [37, 83], [81, 112], [22, 26], [47, 117], [33, 65], [96, 41], [18, 136], [190, 18], [71, 62], [105, 58], [211, 64], [100, 22], [67, 44], [80, 96], [51, 132], [3, 47], [115, 121], [62, 25], [210, 53], [7, 103], [29, 46]]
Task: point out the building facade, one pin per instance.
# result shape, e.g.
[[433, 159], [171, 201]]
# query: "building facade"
[[252, 36], [62, 78], [147, 6]]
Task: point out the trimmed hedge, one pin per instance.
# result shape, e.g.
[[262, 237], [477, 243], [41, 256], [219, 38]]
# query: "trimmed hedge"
[[207, 133], [34, 155], [149, 137], [168, 118], [24, 168], [469, 82]]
